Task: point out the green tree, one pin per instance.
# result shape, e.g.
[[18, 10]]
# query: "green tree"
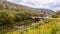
[[54, 16]]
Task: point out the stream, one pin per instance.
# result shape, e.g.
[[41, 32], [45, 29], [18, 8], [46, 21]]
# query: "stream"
[[23, 26]]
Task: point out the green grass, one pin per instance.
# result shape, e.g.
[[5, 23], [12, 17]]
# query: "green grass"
[[53, 27]]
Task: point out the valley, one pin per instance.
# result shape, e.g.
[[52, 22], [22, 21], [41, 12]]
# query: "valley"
[[19, 19]]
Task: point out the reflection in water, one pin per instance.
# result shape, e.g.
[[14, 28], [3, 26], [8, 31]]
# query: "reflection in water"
[[32, 24]]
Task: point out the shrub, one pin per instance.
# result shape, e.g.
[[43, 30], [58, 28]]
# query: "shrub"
[[6, 18], [10, 18], [47, 20], [54, 16]]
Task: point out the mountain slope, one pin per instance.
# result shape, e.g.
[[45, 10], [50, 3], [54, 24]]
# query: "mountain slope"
[[47, 10], [18, 7]]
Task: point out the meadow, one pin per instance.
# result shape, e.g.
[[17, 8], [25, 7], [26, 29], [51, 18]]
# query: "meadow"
[[49, 27]]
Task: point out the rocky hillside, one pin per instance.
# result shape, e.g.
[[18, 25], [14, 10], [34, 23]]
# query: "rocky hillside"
[[17, 7]]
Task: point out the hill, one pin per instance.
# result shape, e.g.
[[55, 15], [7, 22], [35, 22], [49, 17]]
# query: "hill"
[[17, 7]]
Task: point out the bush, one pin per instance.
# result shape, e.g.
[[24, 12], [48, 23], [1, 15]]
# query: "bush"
[[54, 16], [8, 18], [47, 20], [53, 27]]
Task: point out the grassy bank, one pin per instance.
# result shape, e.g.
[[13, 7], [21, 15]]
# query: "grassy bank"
[[52, 27]]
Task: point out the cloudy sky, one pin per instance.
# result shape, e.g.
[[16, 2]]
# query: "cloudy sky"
[[48, 4]]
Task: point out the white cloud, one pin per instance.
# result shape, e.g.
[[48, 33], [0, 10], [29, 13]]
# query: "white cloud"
[[50, 4]]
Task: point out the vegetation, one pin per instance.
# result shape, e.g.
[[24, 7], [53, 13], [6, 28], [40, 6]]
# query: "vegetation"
[[56, 14], [17, 16], [8, 18], [51, 27], [11, 15]]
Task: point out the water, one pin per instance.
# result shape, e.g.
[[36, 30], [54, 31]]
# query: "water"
[[32, 24]]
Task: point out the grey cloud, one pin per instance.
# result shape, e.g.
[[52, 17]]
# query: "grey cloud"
[[54, 5], [31, 3]]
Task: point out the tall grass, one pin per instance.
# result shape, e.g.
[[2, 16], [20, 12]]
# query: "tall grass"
[[52, 27]]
